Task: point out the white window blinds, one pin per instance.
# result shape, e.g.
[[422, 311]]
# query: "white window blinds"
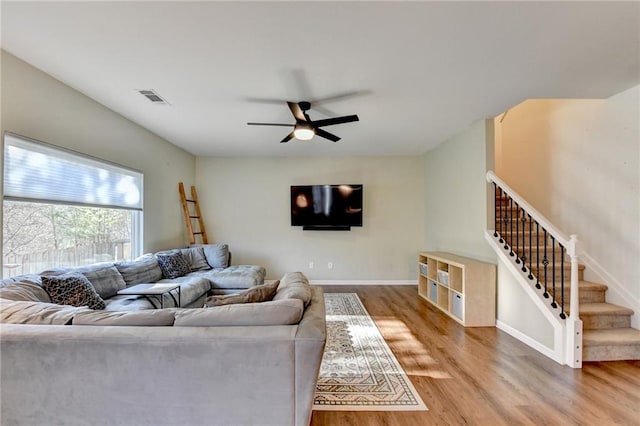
[[35, 171]]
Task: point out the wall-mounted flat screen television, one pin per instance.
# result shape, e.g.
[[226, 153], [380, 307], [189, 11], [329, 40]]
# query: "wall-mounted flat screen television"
[[326, 207]]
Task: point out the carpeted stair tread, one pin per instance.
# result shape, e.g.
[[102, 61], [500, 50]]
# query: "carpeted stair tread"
[[604, 309], [590, 285], [583, 286], [611, 336]]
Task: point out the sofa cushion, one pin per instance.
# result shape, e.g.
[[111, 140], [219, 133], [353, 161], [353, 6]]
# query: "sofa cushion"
[[192, 287], [25, 278], [106, 280], [72, 289], [196, 258], [25, 291], [282, 312], [260, 293], [127, 303], [294, 285], [217, 254], [149, 317], [234, 277], [144, 269], [28, 312], [173, 264]]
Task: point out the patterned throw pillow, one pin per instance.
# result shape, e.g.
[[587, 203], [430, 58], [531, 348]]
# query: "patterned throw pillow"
[[173, 265], [72, 289]]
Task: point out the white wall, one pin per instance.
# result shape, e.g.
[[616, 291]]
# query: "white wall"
[[246, 203], [456, 209], [578, 163], [517, 311], [37, 106]]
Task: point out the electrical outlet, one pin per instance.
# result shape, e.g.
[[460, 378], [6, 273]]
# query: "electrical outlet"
[[330, 265], [310, 265]]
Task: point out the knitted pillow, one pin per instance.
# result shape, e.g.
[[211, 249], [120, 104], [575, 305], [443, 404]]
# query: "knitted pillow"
[[173, 264], [72, 289]]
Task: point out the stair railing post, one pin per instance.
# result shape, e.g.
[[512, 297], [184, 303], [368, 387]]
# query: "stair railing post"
[[573, 341]]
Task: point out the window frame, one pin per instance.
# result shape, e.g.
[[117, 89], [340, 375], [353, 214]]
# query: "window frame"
[[137, 214]]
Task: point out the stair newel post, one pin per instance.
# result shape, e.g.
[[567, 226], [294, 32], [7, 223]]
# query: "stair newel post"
[[573, 322]]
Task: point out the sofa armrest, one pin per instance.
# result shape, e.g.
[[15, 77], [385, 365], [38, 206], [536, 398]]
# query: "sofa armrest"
[[310, 341]]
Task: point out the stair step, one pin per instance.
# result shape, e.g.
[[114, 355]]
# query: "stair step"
[[604, 316], [614, 344], [589, 292], [551, 271]]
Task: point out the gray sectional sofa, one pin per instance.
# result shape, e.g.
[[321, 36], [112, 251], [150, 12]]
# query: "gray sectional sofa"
[[129, 364], [209, 272]]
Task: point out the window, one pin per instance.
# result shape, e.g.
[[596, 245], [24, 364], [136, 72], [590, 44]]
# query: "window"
[[62, 208]]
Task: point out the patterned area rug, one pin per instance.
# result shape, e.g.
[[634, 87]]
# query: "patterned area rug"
[[359, 372]]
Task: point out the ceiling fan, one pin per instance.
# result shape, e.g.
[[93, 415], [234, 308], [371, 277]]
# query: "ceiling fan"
[[304, 128]]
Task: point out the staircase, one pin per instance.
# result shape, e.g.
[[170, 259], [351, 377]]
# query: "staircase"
[[607, 333]]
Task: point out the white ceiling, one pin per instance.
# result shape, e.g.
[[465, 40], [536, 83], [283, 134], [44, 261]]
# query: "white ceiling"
[[426, 70]]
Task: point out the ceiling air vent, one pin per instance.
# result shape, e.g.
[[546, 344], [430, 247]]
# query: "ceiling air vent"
[[153, 96]]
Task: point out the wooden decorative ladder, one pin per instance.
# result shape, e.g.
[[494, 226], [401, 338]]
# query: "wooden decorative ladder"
[[189, 216]]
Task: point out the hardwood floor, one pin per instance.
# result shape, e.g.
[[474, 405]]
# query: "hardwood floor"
[[483, 376]]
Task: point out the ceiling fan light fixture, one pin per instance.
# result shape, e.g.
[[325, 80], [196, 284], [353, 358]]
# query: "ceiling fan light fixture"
[[304, 133]]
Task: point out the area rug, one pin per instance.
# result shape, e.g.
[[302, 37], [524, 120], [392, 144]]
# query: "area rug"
[[359, 372]]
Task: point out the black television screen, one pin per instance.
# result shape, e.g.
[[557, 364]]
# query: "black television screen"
[[326, 206]]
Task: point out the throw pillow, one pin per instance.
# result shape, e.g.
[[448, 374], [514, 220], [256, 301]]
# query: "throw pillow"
[[72, 289], [107, 281], [144, 269], [196, 258], [217, 255], [294, 285], [173, 265], [260, 293]]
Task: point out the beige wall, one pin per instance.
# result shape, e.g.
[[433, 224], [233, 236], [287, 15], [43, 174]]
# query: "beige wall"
[[456, 210], [246, 203], [578, 163], [37, 106]]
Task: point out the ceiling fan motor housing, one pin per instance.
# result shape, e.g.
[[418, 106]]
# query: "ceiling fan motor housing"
[[304, 105]]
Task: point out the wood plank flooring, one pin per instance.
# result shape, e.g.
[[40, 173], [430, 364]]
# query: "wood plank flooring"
[[483, 376]]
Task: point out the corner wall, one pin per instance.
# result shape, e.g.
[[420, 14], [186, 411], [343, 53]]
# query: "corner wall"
[[245, 203], [38, 106], [456, 209]]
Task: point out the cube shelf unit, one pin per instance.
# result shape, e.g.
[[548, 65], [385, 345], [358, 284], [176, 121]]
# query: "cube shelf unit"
[[463, 288]]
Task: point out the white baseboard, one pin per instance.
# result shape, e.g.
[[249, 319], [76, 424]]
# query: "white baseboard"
[[528, 341], [363, 282]]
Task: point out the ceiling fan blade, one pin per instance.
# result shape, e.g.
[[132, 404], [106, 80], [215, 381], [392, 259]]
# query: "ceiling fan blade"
[[287, 138], [270, 124], [266, 100], [327, 135], [296, 111], [336, 120], [339, 96]]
